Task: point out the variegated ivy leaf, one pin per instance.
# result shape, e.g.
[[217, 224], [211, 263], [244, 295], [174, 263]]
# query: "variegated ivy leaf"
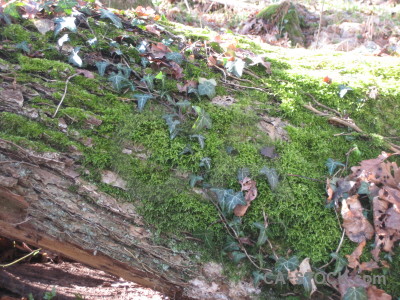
[[207, 87], [272, 176], [106, 14], [356, 293], [228, 200], [193, 179], [65, 22], [200, 139], [62, 40], [262, 237], [119, 81], [74, 57], [172, 127], [235, 67], [205, 162], [101, 67], [203, 119], [93, 41], [175, 56], [142, 100], [23, 46], [285, 265]]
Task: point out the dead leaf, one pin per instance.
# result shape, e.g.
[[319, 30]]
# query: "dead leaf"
[[159, 50], [376, 294], [354, 257], [345, 282], [188, 84], [357, 227], [369, 266], [240, 210], [85, 73], [250, 189], [269, 152], [153, 29], [297, 276], [44, 25], [113, 179]]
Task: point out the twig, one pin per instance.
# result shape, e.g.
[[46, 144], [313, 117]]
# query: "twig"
[[247, 87], [324, 106], [269, 242], [65, 93]]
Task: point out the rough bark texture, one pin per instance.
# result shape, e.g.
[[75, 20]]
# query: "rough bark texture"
[[44, 202]]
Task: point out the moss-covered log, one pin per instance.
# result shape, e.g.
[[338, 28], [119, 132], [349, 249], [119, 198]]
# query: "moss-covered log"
[[45, 203]]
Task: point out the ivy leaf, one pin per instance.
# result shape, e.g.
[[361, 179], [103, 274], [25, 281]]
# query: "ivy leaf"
[[106, 14], [62, 40], [193, 179], [149, 80], [355, 293], [272, 176], [238, 256], [283, 265], [200, 139], [65, 22], [175, 56], [66, 6], [101, 67], [207, 87], [308, 283], [74, 57], [231, 245], [119, 81], [236, 67], [364, 188], [332, 165], [173, 130], [126, 71], [341, 262], [183, 104], [203, 119], [23, 46], [142, 47], [243, 173], [160, 76], [257, 277], [92, 42], [142, 100], [343, 90], [205, 162], [167, 42], [228, 199], [262, 237]]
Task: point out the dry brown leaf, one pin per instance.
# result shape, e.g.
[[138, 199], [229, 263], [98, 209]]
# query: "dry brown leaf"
[[153, 29], [353, 257], [113, 179], [345, 282], [376, 294], [357, 227], [369, 266], [240, 210]]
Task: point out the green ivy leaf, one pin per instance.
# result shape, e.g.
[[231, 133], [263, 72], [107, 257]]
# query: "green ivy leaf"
[[183, 104], [23, 46], [193, 179], [272, 176], [228, 199], [149, 80], [257, 277], [65, 22], [340, 263], [332, 165], [206, 87], [236, 67], [175, 56], [355, 293], [238, 256], [283, 265], [126, 71], [307, 281], [167, 42], [364, 188], [231, 245], [203, 119], [172, 127], [217, 47], [142, 100], [200, 139], [106, 14], [242, 173], [74, 57], [119, 81], [101, 67], [262, 237], [205, 162]]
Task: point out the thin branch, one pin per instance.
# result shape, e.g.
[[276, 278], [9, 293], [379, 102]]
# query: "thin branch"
[[33, 253], [65, 93], [337, 250], [320, 23]]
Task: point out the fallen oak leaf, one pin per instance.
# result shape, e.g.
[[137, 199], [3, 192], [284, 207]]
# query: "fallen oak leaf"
[[153, 29], [376, 294], [369, 266]]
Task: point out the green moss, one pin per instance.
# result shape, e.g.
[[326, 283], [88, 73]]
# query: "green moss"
[[16, 33], [55, 69]]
